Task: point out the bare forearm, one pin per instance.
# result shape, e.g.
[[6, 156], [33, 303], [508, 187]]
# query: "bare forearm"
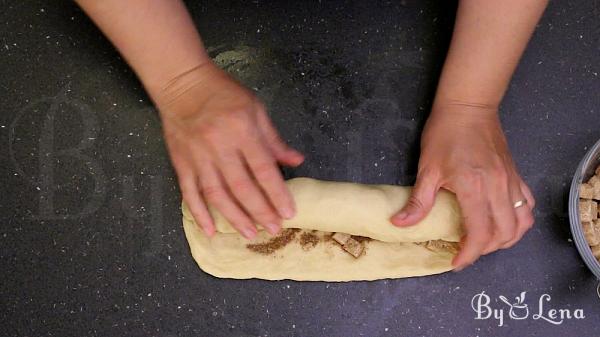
[[156, 37], [488, 40]]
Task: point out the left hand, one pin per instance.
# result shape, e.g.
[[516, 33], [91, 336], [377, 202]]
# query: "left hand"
[[463, 150]]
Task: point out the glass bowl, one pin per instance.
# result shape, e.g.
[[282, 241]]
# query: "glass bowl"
[[585, 170]]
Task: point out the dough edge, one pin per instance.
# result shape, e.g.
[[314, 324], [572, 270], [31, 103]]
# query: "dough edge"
[[396, 259], [312, 267]]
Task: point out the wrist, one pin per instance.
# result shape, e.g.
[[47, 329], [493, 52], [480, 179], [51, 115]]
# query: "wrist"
[[462, 89], [460, 113], [174, 88], [463, 106]]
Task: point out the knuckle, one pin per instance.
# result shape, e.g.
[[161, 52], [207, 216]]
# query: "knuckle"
[[240, 224], [197, 215], [241, 186], [474, 179], [528, 222], [508, 228], [264, 214], [498, 171], [483, 240], [227, 157], [414, 203], [274, 138], [207, 131], [238, 119], [506, 236], [428, 173], [482, 237], [510, 243], [489, 249], [213, 194], [265, 171], [240, 129], [500, 181], [532, 202], [200, 219]]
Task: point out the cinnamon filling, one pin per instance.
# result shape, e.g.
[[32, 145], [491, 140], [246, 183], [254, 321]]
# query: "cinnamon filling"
[[275, 243], [352, 244]]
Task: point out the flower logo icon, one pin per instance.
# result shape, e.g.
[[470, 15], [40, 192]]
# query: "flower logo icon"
[[519, 309]]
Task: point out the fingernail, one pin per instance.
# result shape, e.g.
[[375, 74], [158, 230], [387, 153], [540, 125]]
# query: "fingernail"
[[249, 233], [272, 228], [298, 158], [287, 212], [400, 216]]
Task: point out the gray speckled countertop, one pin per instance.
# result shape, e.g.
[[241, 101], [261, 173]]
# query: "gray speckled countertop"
[[91, 242]]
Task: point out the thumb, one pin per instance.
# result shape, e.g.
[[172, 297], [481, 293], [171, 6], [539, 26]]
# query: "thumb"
[[419, 203]]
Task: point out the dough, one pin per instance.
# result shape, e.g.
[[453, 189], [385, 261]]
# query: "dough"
[[324, 207]]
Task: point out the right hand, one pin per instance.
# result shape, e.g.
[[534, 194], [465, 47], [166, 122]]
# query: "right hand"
[[464, 150], [225, 151]]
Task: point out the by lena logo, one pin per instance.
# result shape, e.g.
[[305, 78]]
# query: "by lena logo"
[[519, 310]]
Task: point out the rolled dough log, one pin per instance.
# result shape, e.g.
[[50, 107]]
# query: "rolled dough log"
[[324, 207]]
